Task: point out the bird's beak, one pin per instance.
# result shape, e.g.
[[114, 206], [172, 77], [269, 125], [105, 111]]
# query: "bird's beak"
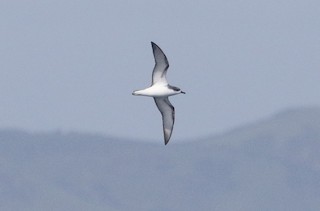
[[182, 92]]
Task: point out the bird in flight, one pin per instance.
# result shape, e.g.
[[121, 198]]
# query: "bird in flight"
[[160, 90]]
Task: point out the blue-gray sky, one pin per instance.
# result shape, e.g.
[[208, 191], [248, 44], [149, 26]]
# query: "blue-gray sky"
[[72, 65]]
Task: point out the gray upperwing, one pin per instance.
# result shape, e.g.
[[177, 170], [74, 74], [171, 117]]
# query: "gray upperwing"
[[161, 66], [167, 112]]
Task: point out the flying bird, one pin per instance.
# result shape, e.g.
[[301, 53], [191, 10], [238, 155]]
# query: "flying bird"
[[160, 90]]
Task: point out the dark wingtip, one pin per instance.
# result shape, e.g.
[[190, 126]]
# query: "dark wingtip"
[[154, 45], [166, 141]]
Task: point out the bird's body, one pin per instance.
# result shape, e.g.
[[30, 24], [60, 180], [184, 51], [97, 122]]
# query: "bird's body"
[[157, 90], [160, 90]]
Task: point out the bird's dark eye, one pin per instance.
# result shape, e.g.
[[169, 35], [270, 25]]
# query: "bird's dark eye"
[[174, 88]]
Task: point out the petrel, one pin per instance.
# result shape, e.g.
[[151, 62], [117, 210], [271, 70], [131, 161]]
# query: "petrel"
[[160, 90]]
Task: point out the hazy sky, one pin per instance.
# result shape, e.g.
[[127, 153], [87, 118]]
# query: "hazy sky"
[[72, 65]]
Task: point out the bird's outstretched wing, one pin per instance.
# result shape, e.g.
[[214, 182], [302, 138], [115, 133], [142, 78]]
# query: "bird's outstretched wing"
[[167, 112], [161, 66]]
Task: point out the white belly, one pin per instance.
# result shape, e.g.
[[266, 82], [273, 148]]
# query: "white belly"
[[156, 91]]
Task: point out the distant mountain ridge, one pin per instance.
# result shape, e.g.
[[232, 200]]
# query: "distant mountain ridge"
[[288, 122], [272, 164], [290, 118]]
